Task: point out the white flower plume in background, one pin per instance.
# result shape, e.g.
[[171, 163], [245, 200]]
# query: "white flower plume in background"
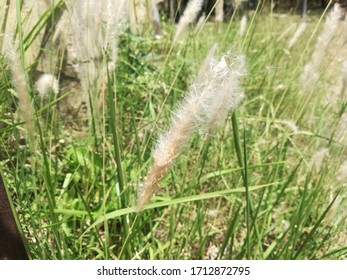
[[310, 75], [219, 11], [189, 15], [200, 23], [20, 84], [95, 29], [298, 33], [46, 85], [318, 158], [342, 173], [243, 25], [285, 32], [215, 92]]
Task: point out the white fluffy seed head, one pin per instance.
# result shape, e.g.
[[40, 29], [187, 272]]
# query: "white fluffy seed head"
[[310, 75], [189, 15], [223, 81], [291, 124], [342, 173], [47, 85], [200, 23], [243, 25], [19, 81], [219, 11], [93, 35], [215, 93], [318, 159], [298, 33], [309, 78]]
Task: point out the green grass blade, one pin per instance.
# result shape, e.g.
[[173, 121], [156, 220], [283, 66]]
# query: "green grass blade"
[[123, 199], [126, 211]]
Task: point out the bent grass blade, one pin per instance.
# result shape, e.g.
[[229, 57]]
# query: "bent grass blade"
[[129, 210]]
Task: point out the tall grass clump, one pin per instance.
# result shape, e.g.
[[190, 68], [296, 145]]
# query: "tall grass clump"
[[205, 107]]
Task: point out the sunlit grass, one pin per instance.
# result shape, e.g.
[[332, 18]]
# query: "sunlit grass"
[[250, 190]]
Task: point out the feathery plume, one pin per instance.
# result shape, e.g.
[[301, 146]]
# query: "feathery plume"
[[95, 27], [3, 21], [310, 75], [285, 33], [342, 173], [225, 89], [200, 78], [297, 35], [338, 87], [190, 13], [46, 85], [290, 123], [114, 21], [341, 130], [243, 25], [317, 159], [219, 11], [156, 19], [200, 23], [216, 92], [309, 78], [26, 109]]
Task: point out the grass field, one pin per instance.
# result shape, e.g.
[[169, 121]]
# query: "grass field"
[[269, 184]]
